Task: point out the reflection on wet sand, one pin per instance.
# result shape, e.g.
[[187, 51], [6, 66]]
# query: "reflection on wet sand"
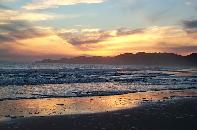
[[82, 105]]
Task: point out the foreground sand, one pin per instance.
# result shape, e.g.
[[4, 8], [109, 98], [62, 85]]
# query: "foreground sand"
[[158, 112]]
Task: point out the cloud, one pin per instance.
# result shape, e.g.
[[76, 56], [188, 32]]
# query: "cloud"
[[152, 39], [12, 15], [190, 24], [8, 0], [25, 38], [190, 27], [86, 36], [44, 4], [14, 31], [184, 49], [153, 34], [93, 36], [192, 3], [3, 7], [128, 31]]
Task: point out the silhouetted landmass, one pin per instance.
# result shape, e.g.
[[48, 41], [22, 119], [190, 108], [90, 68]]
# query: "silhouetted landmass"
[[141, 58]]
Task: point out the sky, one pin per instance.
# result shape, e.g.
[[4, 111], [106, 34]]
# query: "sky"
[[38, 29]]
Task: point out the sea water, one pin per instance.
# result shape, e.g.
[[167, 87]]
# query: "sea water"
[[22, 81]]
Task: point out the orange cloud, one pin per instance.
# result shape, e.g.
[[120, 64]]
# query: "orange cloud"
[[104, 42], [154, 39]]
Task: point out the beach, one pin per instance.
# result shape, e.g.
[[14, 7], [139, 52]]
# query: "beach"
[[97, 97], [98, 65], [162, 110]]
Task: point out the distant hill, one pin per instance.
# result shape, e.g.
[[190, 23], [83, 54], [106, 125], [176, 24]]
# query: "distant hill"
[[141, 58]]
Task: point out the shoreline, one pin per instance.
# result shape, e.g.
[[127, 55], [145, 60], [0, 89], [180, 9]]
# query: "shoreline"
[[161, 115], [96, 94]]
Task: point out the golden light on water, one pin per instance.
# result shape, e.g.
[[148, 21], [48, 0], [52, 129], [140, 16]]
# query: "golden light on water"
[[67, 106]]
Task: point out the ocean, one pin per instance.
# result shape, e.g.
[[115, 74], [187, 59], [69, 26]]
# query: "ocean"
[[30, 81]]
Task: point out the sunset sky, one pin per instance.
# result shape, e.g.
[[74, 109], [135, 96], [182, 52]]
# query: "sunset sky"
[[36, 29]]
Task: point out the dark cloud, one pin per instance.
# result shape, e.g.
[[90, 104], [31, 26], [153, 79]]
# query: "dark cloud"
[[181, 49], [85, 37], [4, 38], [8, 28], [19, 30], [92, 37], [14, 25], [3, 7], [190, 27], [84, 40], [190, 24], [12, 30], [127, 31]]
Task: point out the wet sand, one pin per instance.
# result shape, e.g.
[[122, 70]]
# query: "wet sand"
[[163, 110]]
